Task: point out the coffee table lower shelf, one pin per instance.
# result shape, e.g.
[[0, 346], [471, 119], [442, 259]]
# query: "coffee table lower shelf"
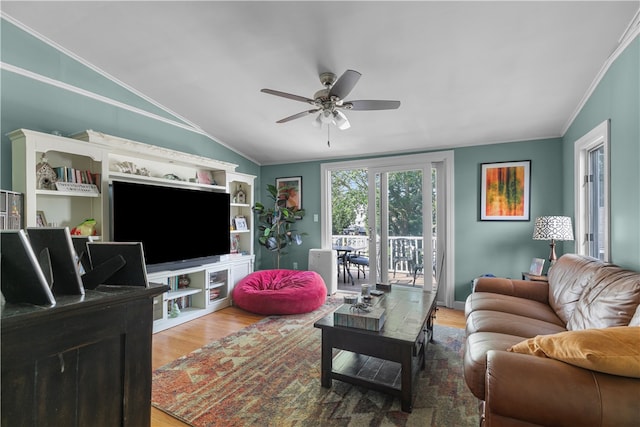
[[371, 372], [388, 360]]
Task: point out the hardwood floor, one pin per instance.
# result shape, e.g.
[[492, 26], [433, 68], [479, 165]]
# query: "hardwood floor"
[[175, 342]]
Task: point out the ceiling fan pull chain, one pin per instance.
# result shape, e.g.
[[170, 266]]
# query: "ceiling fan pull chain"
[[328, 136]]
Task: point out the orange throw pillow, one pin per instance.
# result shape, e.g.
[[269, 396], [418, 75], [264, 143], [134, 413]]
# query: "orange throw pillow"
[[614, 350]]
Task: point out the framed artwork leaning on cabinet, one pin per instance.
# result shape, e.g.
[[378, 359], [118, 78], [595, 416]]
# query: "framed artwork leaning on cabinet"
[[21, 276]]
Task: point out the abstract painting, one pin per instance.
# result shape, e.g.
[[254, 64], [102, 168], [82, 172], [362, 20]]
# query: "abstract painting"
[[505, 191]]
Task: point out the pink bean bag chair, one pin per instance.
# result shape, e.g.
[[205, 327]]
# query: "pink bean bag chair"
[[280, 292]]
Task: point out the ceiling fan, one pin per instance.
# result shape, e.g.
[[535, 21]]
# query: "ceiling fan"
[[329, 102]]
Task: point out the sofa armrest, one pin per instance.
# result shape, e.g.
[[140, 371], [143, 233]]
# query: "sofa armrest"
[[537, 291], [530, 390]]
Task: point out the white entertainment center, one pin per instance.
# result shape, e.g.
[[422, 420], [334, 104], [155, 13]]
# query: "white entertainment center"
[[196, 290]]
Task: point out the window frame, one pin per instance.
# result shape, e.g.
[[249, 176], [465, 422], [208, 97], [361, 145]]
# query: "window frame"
[[593, 140]]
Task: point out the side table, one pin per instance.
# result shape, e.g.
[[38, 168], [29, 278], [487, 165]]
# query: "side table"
[[534, 277]]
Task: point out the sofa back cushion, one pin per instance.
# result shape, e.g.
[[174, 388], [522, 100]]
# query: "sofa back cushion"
[[611, 299], [568, 278], [635, 320]]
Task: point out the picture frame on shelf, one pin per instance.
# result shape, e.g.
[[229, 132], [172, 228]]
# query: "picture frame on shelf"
[[505, 191], [290, 192], [537, 265], [41, 220], [235, 243], [205, 177], [241, 223]]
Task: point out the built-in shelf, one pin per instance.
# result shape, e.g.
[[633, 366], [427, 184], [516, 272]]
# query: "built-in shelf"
[[182, 293], [156, 180], [58, 193], [110, 158]]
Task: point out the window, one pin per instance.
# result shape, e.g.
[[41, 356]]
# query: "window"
[[592, 192]]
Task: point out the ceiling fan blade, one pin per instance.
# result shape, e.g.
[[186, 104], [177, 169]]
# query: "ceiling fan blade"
[[297, 116], [371, 105], [288, 96], [345, 84]]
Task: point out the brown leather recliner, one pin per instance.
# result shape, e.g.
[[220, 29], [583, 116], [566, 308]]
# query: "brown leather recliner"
[[582, 294]]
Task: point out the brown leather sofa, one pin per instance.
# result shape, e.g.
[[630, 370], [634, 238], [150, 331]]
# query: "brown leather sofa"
[[522, 338]]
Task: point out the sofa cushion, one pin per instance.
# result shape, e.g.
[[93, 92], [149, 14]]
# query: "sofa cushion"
[[526, 289], [475, 357], [509, 323], [614, 350], [511, 304], [568, 278], [610, 300]]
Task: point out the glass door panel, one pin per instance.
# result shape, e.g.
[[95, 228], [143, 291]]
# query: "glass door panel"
[[399, 214]]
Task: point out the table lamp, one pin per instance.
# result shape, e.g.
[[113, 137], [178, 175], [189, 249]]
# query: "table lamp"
[[553, 228]]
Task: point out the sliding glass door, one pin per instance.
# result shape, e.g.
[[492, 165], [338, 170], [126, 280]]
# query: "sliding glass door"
[[392, 212]]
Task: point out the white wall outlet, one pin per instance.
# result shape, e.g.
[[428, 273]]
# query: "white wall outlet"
[[315, 217]]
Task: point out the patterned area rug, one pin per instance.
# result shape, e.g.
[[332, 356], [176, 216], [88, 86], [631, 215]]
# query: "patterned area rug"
[[268, 374]]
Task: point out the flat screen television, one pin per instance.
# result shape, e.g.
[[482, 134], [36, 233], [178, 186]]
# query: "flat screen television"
[[178, 227]]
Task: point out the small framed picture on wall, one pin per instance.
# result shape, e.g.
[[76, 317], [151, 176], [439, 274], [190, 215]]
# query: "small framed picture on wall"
[[290, 192]]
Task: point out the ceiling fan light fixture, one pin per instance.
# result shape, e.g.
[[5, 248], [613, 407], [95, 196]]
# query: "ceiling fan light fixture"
[[341, 120], [317, 122], [326, 117]]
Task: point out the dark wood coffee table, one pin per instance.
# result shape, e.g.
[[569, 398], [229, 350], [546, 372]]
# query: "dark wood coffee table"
[[387, 360]]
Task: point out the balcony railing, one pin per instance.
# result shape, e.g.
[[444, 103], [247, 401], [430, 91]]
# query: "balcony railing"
[[413, 249]]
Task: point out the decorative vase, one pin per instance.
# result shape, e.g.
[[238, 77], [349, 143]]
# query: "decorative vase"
[[175, 311]]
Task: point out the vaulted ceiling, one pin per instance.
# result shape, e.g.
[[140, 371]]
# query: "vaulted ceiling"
[[465, 73]]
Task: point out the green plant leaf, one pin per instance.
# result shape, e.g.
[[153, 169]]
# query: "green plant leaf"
[[276, 223]]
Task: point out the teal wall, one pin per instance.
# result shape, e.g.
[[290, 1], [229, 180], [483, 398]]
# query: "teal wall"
[[310, 173], [501, 248]]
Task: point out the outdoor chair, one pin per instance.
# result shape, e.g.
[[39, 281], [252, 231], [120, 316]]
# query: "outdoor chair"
[[361, 262], [403, 251]]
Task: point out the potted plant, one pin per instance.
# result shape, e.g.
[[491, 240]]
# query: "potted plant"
[[276, 224]]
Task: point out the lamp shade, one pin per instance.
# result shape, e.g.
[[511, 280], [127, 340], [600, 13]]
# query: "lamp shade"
[[553, 228]]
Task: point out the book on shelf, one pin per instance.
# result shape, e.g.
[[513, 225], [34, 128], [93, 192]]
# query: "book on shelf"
[[79, 176]]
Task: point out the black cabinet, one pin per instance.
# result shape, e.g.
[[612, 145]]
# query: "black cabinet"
[[85, 361]]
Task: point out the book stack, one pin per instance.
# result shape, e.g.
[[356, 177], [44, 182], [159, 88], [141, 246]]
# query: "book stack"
[[370, 320], [77, 176]]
